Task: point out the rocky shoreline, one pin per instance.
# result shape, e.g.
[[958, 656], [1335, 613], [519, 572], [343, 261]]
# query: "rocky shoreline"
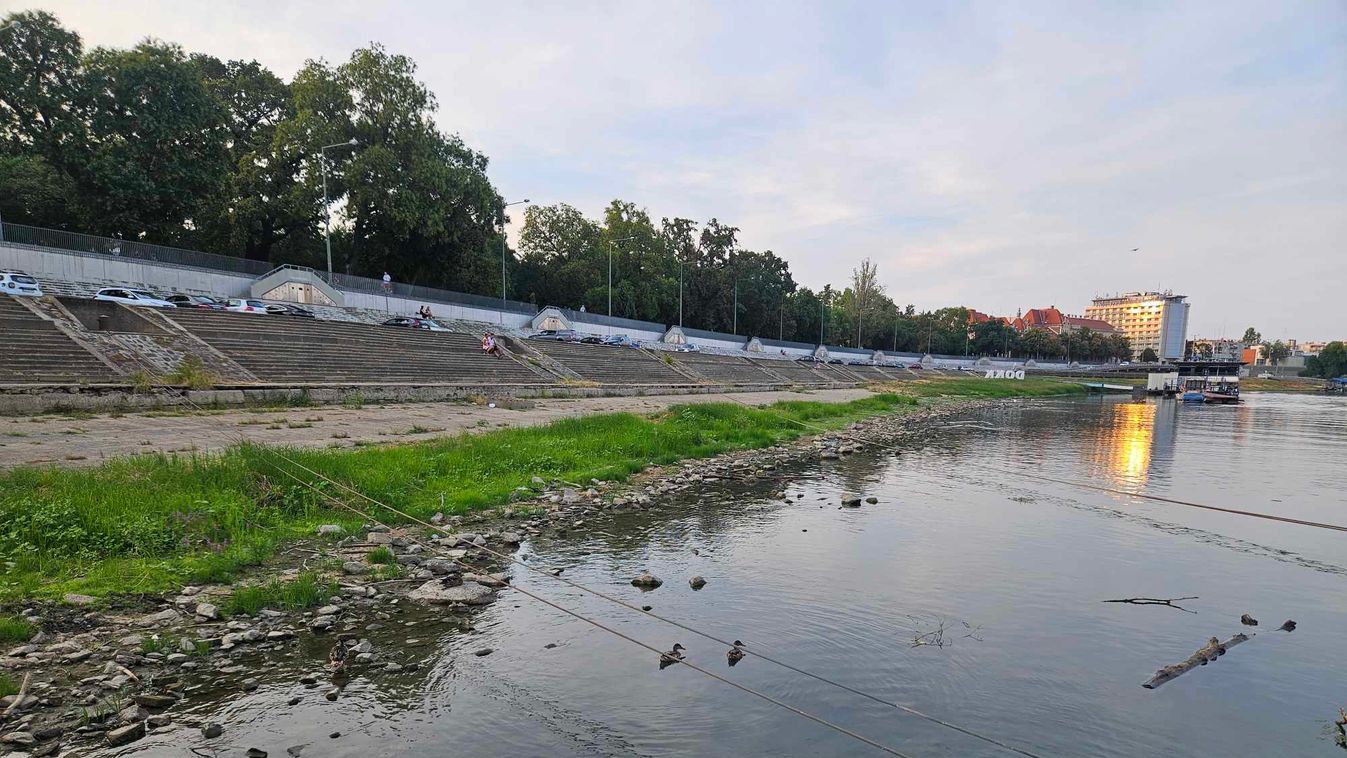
[[111, 674]]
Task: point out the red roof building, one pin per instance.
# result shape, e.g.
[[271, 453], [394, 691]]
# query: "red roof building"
[[1048, 319]]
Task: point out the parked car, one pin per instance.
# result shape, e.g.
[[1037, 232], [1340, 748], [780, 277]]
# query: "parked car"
[[914, 366], [687, 347], [19, 283], [557, 335], [243, 305], [620, 340], [289, 309], [411, 322], [197, 301], [143, 298]]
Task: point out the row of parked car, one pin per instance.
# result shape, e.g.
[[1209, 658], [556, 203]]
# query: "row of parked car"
[[570, 335], [147, 299]]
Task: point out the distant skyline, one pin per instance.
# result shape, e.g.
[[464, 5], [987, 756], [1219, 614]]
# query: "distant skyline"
[[993, 155]]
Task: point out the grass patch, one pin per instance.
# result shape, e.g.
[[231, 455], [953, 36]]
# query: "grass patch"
[[977, 387], [14, 629], [155, 522], [191, 373], [381, 556], [305, 591], [8, 686]]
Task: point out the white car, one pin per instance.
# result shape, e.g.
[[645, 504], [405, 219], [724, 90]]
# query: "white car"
[[240, 305], [132, 297], [19, 283]]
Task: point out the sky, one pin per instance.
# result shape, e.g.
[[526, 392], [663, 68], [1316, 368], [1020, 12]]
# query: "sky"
[[998, 155]]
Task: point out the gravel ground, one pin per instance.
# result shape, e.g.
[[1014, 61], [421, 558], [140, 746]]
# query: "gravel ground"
[[80, 440]]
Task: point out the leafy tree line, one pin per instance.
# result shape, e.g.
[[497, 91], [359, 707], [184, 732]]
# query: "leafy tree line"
[[1329, 363], [156, 144]]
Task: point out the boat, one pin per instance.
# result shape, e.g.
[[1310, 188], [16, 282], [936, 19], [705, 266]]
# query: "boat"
[[1201, 381], [1221, 392]]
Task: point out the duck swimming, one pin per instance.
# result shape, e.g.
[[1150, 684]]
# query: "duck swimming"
[[336, 657], [670, 657], [736, 653]]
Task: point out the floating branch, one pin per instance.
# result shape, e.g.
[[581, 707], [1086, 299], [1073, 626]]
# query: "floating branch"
[[1208, 653], [1167, 601]]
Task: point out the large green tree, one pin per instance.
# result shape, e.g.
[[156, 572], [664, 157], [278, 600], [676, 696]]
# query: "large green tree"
[[155, 146]]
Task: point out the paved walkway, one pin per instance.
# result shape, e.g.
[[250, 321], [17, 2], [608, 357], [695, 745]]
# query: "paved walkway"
[[85, 440]]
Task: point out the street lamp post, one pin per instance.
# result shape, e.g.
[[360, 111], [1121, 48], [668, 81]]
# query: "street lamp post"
[[736, 307], [680, 292], [611, 243], [502, 255], [327, 208]]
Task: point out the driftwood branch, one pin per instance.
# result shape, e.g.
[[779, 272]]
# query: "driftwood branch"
[[18, 699], [1172, 602], [1206, 654]]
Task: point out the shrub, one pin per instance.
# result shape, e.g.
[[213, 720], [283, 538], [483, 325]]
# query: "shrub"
[[15, 629], [381, 555]]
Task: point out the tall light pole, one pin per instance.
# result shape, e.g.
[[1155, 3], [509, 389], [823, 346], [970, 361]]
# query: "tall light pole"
[[502, 255], [327, 208], [736, 307], [680, 292], [611, 243]]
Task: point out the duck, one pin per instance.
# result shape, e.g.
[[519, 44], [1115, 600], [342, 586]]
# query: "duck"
[[336, 657], [736, 653], [672, 656]]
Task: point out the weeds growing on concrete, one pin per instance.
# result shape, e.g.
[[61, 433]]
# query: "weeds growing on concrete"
[[191, 373], [977, 387]]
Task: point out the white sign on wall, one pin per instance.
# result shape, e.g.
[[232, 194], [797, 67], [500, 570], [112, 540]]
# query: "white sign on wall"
[[1005, 373]]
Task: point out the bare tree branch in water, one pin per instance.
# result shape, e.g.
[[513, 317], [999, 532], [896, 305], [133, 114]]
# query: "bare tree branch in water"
[[1171, 602], [1206, 654], [942, 635]]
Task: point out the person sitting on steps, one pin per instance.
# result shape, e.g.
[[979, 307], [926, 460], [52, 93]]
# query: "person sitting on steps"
[[490, 347]]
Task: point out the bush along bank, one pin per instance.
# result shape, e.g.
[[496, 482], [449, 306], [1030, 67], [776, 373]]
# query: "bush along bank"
[[111, 671]]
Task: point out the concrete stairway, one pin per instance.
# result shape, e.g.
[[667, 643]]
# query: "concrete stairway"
[[608, 364], [798, 372], [34, 351], [283, 349], [724, 369]]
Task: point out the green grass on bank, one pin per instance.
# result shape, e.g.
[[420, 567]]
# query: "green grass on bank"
[[150, 523], [978, 387], [15, 629], [305, 591]]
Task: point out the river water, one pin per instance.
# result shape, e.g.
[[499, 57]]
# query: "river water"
[[1004, 577]]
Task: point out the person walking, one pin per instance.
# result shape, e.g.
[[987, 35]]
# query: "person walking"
[[388, 283]]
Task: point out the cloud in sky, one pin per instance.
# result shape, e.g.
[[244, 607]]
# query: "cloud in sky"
[[996, 155]]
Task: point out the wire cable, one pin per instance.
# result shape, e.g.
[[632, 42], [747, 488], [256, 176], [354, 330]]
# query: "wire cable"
[[511, 559], [1084, 485], [743, 688]]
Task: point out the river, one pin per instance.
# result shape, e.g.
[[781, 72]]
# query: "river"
[[1001, 576]]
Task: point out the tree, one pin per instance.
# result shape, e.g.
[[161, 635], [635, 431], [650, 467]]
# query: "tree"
[[1333, 359], [1252, 337], [33, 192], [1275, 352], [39, 79], [1148, 356], [156, 142], [995, 337], [1039, 343]]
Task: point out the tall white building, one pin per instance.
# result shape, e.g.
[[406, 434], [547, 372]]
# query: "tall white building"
[[1155, 320]]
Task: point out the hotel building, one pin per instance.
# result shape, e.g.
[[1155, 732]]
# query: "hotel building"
[[1155, 320]]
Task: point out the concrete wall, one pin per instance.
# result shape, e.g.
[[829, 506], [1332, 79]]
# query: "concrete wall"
[[45, 263]]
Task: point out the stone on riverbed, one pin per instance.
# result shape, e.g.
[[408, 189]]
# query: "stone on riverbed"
[[327, 529], [126, 734], [354, 567], [851, 502], [646, 581], [436, 593], [696, 582]]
